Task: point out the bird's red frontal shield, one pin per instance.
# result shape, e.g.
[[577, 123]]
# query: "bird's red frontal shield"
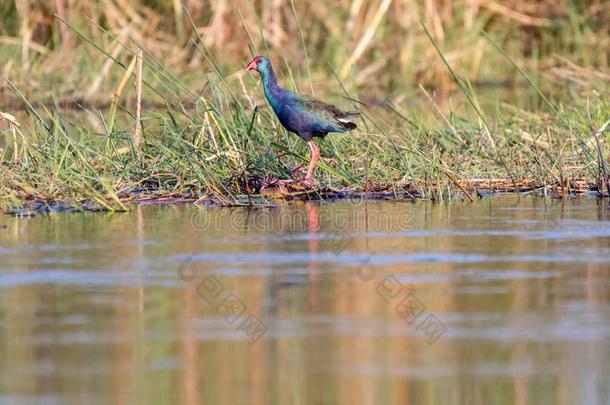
[[252, 64]]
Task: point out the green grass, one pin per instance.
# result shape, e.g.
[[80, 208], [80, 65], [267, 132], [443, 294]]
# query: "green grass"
[[212, 148], [204, 138]]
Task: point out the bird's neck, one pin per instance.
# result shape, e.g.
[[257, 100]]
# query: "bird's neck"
[[272, 89]]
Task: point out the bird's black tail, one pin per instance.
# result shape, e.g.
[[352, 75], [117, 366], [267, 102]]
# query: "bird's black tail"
[[349, 126], [345, 119]]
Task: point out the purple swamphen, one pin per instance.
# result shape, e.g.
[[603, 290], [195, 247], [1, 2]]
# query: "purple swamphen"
[[304, 115]]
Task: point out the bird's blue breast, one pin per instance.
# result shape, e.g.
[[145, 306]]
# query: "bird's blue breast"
[[280, 101]]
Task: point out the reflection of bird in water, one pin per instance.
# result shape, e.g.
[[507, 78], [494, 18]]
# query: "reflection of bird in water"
[[312, 266], [314, 226]]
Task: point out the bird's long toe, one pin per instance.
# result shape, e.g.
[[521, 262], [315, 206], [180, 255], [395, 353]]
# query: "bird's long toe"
[[308, 182]]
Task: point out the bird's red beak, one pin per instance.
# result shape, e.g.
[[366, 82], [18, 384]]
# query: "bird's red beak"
[[252, 65]]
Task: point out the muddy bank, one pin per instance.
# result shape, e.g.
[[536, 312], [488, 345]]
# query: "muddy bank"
[[277, 192]]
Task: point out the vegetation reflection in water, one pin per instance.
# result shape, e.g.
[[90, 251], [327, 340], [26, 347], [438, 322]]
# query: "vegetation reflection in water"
[[116, 308]]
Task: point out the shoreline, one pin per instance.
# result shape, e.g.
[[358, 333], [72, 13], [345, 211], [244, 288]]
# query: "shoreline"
[[38, 207]]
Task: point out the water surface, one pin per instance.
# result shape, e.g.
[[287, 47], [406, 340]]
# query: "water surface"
[[503, 301]]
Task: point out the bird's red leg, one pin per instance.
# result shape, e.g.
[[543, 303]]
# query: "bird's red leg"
[[315, 155]]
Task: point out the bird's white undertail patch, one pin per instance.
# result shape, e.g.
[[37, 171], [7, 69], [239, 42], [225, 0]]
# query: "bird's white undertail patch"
[[346, 120]]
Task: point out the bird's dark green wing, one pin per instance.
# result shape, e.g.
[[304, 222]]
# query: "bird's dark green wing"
[[324, 112]]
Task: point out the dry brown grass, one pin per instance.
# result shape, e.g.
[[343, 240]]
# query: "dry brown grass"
[[362, 40]]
